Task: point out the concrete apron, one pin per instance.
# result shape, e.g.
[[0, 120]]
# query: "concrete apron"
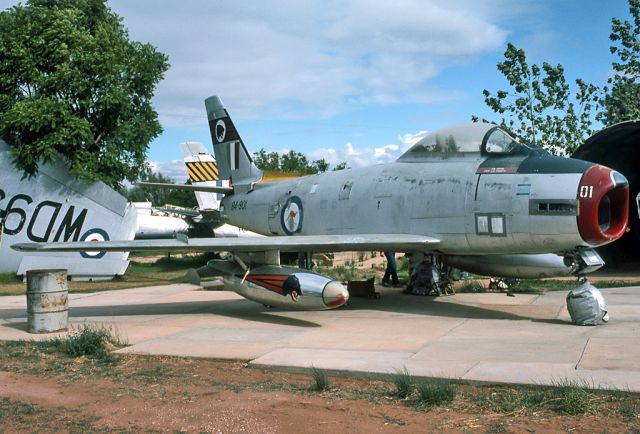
[[481, 337]]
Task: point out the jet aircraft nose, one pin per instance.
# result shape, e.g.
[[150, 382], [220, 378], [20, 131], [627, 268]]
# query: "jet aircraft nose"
[[334, 295], [603, 198]]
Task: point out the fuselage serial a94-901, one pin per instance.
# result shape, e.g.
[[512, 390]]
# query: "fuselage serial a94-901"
[[470, 194]]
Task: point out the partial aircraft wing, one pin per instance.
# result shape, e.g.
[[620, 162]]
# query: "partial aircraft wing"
[[300, 243], [209, 189], [184, 212]]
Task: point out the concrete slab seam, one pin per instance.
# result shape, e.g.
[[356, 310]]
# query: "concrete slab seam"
[[584, 350], [559, 312]]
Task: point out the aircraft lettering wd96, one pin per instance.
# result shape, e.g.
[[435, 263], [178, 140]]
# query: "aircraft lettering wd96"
[[55, 206], [470, 194]]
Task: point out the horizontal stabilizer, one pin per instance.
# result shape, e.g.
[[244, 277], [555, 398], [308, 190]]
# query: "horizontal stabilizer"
[[189, 187], [181, 211], [300, 243]]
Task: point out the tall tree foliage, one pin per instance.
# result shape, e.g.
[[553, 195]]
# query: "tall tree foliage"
[[540, 107], [160, 196], [622, 93], [71, 81], [291, 162]]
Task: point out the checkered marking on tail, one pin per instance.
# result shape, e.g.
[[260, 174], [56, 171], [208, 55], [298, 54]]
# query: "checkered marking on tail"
[[200, 171]]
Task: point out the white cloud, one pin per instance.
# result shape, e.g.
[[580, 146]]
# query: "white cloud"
[[305, 58], [174, 169], [353, 156], [366, 156], [292, 59]]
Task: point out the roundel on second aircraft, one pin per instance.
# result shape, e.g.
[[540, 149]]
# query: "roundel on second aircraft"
[[92, 236]]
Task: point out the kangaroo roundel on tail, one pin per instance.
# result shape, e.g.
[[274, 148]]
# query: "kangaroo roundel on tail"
[[234, 161]]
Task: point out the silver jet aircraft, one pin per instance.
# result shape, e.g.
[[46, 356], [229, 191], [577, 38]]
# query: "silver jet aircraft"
[[470, 194]]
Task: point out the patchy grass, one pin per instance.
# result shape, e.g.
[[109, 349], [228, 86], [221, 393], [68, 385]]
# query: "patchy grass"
[[404, 383], [344, 273], [16, 410], [90, 341], [402, 266], [566, 397], [32, 418], [320, 380], [153, 375], [471, 285], [536, 286], [513, 401], [492, 408], [629, 410], [615, 283], [435, 392], [572, 398], [163, 271], [93, 344], [9, 279]]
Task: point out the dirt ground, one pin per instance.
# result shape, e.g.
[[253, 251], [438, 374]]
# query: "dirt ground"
[[44, 393]]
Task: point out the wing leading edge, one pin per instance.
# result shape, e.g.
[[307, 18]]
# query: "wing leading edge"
[[189, 187], [300, 243]]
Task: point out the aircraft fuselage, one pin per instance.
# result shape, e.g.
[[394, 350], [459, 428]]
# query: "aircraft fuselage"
[[473, 203]]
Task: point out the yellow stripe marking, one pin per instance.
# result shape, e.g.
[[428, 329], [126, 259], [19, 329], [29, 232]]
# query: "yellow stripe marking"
[[201, 175], [205, 169], [195, 173], [191, 175]]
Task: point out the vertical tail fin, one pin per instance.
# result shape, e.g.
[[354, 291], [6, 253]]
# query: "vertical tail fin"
[[202, 170], [234, 161]]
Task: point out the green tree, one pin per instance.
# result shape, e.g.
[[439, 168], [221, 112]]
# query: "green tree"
[[290, 162], [267, 160], [294, 161], [622, 93], [320, 165], [539, 107], [160, 196], [72, 82]]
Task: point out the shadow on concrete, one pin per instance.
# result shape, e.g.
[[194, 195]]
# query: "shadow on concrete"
[[239, 309], [22, 326], [391, 301], [426, 305]]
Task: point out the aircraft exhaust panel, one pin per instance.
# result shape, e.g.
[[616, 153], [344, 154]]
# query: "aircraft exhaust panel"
[[603, 196]]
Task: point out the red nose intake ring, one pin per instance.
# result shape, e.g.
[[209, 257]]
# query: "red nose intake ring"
[[603, 198]]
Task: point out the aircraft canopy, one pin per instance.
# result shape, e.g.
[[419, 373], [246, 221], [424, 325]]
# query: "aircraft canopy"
[[462, 139]]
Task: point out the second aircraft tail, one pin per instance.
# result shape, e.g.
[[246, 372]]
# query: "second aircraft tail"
[[203, 171]]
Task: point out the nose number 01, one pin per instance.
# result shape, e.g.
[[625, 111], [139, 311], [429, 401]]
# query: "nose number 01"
[[586, 191]]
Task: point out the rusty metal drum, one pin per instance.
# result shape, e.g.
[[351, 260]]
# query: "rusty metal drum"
[[47, 301]]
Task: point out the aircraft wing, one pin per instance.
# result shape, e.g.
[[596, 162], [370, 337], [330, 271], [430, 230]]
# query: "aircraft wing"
[[185, 212], [299, 243], [208, 189]]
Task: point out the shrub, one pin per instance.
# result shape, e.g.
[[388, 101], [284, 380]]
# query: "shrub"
[[90, 341]]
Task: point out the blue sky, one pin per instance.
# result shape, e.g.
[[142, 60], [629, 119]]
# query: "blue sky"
[[352, 80]]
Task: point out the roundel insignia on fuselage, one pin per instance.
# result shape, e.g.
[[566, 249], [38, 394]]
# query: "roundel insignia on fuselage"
[[92, 236], [221, 130], [291, 216]]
